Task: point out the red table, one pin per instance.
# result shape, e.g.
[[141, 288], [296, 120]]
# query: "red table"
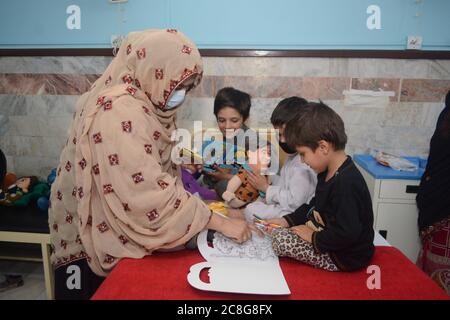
[[164, 276]]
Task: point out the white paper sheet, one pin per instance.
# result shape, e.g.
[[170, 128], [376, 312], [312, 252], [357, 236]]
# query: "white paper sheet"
[[251, 268]]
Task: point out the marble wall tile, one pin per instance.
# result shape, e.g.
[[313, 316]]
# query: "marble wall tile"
[[64, 65], [51, 105], [32, 146], [378, 84], [37, 84], [424, 90], [39, 126], [438, 69], [388, 68]]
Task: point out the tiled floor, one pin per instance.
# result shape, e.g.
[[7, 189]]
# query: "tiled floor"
[[33, 277]]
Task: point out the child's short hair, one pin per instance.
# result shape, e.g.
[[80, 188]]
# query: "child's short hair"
[[236, 99], [286, 110], [315, 122]]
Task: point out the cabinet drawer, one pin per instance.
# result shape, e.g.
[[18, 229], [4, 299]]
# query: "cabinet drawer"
[[399, 189]]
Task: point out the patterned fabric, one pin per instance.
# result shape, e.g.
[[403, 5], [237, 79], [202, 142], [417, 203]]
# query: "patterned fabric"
[[434, 256], [115, 177], [286, 243], [246, 192]]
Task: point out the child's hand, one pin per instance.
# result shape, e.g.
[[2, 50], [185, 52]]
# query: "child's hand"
[[304, 232], [220, 173], [279, 221], [236, 213], [258, 181], [192, 167]]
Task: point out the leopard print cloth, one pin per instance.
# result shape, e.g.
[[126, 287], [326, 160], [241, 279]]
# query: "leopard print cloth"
[[286, 243]]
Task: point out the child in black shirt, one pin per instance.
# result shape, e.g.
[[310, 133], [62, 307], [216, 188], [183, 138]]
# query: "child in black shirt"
[[335, 230]]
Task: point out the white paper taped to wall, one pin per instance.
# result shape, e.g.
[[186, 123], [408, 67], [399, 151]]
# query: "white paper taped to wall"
[[367, 98], [251, 268]]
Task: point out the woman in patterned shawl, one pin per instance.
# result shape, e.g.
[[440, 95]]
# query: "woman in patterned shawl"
[[117, 193]]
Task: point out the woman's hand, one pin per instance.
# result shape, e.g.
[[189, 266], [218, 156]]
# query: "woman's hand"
[[258, 181], [219, 174], [235, 229], [304, 232]]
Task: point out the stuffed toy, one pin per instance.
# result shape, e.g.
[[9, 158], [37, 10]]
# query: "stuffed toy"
[[23, 191]]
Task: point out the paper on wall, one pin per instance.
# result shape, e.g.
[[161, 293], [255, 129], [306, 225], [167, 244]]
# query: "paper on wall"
[[367, 98]]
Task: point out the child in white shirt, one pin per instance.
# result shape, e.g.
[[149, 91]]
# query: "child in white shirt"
[[296, 183]]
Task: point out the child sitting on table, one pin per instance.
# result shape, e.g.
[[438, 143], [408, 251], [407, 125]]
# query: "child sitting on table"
[[335, 230]]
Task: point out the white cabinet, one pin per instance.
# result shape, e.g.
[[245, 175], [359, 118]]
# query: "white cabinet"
[[395, 211]]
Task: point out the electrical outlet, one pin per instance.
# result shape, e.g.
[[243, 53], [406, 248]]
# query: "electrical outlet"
[[116, 40], [414, 43]]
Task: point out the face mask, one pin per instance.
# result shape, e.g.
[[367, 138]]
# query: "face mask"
[[176, 99], [286, 148]]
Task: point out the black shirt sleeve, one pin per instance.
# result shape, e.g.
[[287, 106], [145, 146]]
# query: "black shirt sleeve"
[[299, 216]]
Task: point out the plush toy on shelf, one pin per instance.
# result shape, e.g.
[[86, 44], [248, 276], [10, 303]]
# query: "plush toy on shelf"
[[23, 191]]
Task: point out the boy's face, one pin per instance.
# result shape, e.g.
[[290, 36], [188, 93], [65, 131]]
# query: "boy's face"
[[229, 120], [317, 159]]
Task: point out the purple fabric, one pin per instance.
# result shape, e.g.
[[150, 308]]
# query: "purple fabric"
[[192, 185]]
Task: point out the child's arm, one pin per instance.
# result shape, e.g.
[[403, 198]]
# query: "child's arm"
[[299, 189], [233, 184]]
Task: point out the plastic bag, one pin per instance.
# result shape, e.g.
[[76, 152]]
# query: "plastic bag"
[[393, 161]]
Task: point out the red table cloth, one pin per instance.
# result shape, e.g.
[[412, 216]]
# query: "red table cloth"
[[164, 276]]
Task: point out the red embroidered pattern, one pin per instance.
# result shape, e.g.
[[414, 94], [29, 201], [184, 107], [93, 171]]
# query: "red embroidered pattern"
[[80, 192], [137, 83], [89, 221], [82, 163], [148, 148], [107, 105], [129, 49], [146, 110], [102, 227], [68, 166], [74, 192], [126, 126], [107, 188], [59, 195], [127, 79], [177, 204], [141, 53], [172, 30], [159, 74], [113, 159], [137, 177], [97, 137], [63, 244], [131, 90], [126, 207], [186, 49], [101, 100], [74, 141], [55, 227], [152, 215], [156, 135], [95, 169], [108, 81], [163, 184], [108, 259], [123, 239], [69, 218]]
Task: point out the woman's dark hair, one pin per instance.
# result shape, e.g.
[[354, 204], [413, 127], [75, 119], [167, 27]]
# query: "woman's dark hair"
[[286, 110], [315, 122], [233, 98]]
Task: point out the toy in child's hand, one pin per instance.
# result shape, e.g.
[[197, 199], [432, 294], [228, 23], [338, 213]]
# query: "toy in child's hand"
[[266, 227]]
